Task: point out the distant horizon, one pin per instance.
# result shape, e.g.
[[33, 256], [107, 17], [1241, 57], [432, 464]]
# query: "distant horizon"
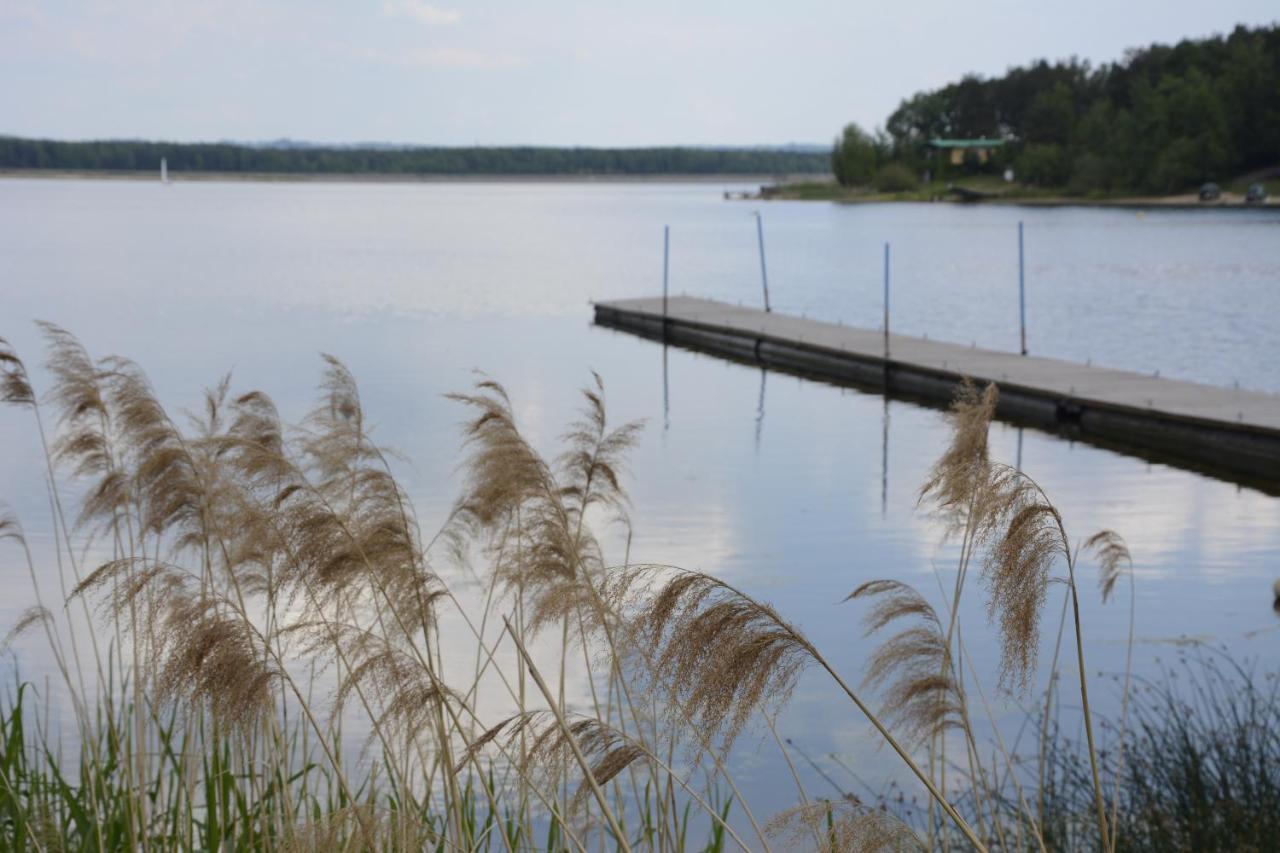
[[291, 142]]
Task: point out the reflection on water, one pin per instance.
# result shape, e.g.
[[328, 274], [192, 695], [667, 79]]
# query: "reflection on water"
[[666, 394], [884, 461], [764, 374], [416, 286]]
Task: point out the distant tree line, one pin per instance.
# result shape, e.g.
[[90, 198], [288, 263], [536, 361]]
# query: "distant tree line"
[[1161, 120], [123, 155]]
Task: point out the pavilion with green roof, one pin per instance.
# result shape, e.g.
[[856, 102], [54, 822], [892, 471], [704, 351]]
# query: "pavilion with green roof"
[[982, 148]]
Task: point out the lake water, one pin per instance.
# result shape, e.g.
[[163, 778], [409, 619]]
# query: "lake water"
[[796, 491]]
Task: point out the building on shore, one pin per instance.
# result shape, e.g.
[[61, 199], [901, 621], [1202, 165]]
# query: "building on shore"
[[958, 151]]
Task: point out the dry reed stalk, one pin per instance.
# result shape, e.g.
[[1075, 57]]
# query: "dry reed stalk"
[[508, 478], [17, 390], [254, 445], [1114, 561], [392, 676], [176, 492], [1048, 702], [558, 565], [348, 527], [955, 487], [608, 750], [1024, 535], [1101, 807], [923, 695], [1005, 513], [570, 740], [38, 614], [722, 654], [1027, 536], [1008, 761], [377, 546]]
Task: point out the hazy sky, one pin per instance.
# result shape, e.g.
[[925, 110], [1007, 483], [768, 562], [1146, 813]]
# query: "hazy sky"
[[553, 72]]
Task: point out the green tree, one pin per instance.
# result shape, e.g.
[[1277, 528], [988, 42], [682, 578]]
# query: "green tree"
[[1043, 164], [1192, 127], [853, 159], [1162, 119], [1051, 116]]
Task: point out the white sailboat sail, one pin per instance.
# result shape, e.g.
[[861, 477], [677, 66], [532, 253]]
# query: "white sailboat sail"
[[164, 170]]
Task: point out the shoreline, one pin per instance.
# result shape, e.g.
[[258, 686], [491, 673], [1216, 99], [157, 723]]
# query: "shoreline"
[[771, 187], [831, 193], [1130, 203], [390, 178]]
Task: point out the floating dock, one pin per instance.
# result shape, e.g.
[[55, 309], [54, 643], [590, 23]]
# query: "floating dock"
[[1229, 432]]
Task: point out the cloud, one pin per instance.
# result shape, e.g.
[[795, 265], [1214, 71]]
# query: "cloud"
[[423, 13], [22, 12], [458, 57]]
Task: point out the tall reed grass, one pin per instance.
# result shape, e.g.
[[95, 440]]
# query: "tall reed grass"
[[259, 590]]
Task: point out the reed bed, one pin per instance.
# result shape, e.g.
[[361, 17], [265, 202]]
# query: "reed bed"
[[258, 588], [1204, 761]]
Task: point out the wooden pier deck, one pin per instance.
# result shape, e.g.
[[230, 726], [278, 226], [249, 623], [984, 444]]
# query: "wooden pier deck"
[[1221, 430]]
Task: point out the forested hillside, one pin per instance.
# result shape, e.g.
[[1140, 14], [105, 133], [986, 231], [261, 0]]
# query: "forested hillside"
[[123, 155], [1162, 119]]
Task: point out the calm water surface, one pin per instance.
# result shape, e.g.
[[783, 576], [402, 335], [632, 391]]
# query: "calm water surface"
[[797, 491]]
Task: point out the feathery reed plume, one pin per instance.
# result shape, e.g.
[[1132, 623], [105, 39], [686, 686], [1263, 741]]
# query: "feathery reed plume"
[[211, 659], [594, 457], [360, 502], [408, 695], [548, 751], [503, 470], [32, 616], [843, 826], [1024, 535], [164, 476], [15, 387], [539, 511], [254, 441], [9, 527], [207, 652], [960, 474], [718, 654], [330, 520], [915, 663], [1114, 559], [84, 434], [336, 554]]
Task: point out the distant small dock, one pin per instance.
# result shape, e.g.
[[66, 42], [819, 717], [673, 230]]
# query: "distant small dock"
[[1219, 430]]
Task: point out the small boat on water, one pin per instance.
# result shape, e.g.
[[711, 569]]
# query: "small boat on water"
[[164, 170]]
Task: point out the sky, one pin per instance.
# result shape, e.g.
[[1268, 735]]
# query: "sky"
[[553, 72]]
